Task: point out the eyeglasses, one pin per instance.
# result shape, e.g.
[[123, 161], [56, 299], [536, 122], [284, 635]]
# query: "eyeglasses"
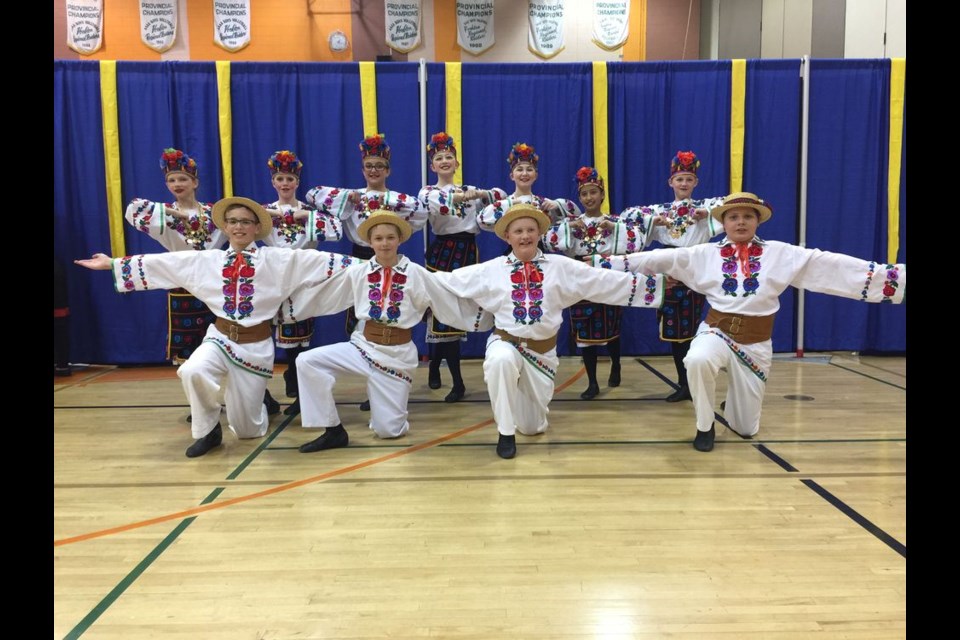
[[375, 167], [243, 222]]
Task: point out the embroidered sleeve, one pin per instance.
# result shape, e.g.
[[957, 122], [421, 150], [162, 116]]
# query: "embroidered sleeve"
[[331, 201], [155, 271], [848, 277]]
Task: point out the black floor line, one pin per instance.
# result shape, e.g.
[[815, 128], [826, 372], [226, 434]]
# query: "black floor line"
[[847, 510]]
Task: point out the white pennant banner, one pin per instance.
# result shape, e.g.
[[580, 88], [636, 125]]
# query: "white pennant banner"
[[231, 24], [402, 24], [545, 38], [84, 25], [158, 23], [475, 25], [611, 23]]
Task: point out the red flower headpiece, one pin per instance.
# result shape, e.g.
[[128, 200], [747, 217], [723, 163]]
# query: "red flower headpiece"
[[375, 146], [522, 152], [442, 141], [588, 175], [684, 162], [176, 161], [285, 162]]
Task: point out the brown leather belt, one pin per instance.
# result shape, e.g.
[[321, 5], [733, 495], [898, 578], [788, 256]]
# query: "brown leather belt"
[[241, 334], [379, 333], [540, 346], [743, 329]]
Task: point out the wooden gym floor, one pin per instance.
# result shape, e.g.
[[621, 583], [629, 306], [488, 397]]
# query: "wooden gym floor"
[[608, 526]]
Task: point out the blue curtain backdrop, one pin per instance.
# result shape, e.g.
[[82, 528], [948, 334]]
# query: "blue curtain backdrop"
[[654, 110], [79, 212], [847, 198], [314, 109], [547, 106], [771, 165], [160, 105], [436, 122]]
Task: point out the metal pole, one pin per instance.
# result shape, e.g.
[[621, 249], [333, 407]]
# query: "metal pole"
[[804, 156], [424, 136]]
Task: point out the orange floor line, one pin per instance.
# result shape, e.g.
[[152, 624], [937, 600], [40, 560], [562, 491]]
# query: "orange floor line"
[[289, 485]]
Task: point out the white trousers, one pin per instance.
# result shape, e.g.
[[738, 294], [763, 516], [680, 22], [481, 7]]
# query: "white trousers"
[[745, 388], [519, 390], [204, 374], [317, 372]]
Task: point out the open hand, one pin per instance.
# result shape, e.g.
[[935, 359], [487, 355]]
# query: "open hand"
[[99, 262]]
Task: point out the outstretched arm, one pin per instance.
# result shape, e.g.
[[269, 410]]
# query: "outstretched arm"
[[98, 262], [841, 275]]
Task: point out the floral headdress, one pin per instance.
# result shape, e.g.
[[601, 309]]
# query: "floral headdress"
[[375, 146], [522, 152], [684, 162], [285, 162], [176, 161], [442, 141], [588, 175]]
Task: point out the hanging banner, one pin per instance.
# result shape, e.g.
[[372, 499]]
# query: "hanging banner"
[[158, 23], [231, 24], [85, 25], [402, 24], [546, 27], [475, 25], [611, 23]]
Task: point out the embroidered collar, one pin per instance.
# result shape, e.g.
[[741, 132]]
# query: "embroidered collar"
[[403, 263], [250, 249], [756, 240], [540, 257]]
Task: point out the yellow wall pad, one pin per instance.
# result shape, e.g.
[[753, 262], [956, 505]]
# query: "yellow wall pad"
[[111, 155]]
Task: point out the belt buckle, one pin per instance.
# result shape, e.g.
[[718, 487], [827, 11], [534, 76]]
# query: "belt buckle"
[[386, 333], [234, 333], [736, 324]]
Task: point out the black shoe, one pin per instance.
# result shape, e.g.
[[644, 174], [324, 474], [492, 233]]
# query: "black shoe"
[[683, 393], [507, 446], [614, 380], [365, 405], [62, 371], [704, 440], [273, 407], [723, 406], [189, 417], [592, 391], [207, 442], [332, 438], [290, 383], [293, 409], [456, 394], [434, 380]]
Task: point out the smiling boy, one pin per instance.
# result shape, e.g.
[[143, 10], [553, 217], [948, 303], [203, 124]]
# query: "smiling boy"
[[742, 278]]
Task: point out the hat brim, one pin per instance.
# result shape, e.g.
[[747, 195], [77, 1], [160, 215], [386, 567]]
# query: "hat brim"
[[763, 211], [385, 217], [220, 212], [515, 213]]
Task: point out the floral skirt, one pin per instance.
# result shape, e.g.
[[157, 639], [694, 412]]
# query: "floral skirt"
[[188, 321]]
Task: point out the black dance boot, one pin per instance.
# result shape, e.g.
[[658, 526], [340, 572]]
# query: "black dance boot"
[[273, 407], [590, 364], [680, 350], [331, 438], [507, 446], [452, 354], [290, 375], [704, 440], [613, 348], [207, 442]]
